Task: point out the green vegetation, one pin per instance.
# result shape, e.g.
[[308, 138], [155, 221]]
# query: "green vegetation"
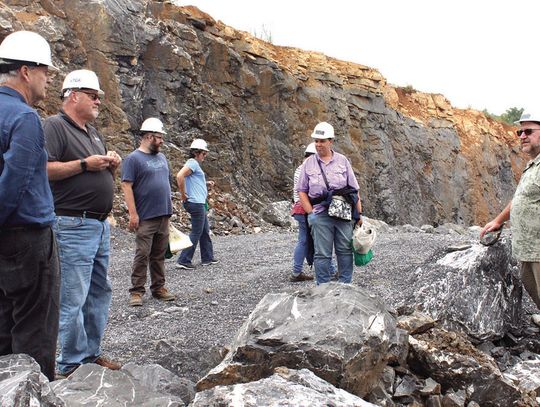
[[263, 34], [409, 89], [511, 115]]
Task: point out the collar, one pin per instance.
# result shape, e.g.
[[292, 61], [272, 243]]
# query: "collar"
[[535, 161], [12, 92], [68, 119], [331, 159]]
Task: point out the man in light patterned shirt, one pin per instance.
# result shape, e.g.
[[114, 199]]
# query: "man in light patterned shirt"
[[524, 210]]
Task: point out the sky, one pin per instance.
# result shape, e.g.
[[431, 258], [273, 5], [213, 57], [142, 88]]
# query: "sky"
[[477, 53]]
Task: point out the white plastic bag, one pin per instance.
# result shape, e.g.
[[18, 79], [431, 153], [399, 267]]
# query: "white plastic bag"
[[178, 240], [363, 238]]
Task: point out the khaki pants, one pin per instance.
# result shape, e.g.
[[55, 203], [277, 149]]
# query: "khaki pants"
[[530, 275], [151, 244]]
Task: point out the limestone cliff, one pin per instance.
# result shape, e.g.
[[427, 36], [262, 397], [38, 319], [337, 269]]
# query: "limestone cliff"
[[418, 160]]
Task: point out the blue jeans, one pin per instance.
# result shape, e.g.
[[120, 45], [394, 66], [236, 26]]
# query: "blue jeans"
[[301, 245], [300, 251], [85, 289], [329, 233], [200, 234]]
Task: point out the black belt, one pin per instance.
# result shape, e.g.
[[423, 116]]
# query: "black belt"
[[82, 214]]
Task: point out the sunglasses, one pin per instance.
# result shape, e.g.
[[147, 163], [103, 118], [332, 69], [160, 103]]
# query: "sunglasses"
[[527, 132], [91, 95]]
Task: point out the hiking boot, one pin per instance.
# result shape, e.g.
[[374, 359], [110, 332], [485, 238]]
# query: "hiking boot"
[[185, 266], [209, 263], [300, 277], [163, 294], [109, 364], [135, 299]]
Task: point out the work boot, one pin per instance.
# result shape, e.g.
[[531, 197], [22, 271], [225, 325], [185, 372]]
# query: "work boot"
[[135, 299], [163, 294], [301, 277], [109, 364]]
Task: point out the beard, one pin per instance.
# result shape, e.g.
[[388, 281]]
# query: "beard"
[[153, 149]]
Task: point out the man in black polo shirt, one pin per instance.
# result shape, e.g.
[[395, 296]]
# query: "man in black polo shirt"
[[81, 173]]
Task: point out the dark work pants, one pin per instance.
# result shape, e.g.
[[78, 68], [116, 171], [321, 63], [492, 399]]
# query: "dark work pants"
[[151, 242], [29, 295]]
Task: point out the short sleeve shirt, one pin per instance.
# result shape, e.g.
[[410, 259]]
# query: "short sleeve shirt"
[[149, 174], [525, 214], [196, 182], [338, 171], [88, 191]]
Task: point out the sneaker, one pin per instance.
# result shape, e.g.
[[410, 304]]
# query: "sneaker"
[[209, 263], [60, 376], [163, 294], [109, 364], [185, 266], [300, 277], [536, 319], [135, 300]]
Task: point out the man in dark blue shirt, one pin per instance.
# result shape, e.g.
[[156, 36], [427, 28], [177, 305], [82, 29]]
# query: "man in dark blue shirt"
[[29, 270]]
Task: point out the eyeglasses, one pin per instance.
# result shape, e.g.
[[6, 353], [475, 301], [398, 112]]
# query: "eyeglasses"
[[527, 132], [91, 95]]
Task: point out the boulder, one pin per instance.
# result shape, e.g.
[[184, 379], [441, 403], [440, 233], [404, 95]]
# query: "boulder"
[[527, 375], [23, 384], [161, 380], [92, 384], [285, 388], [340, 332], [278, 213], [476, 291], [451, 360]]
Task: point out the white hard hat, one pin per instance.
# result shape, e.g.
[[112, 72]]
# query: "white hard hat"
[[153, 125], [81, 79], [323, 131], [26, 46], [529, 116], [199, 144], [363, 238], [310, 149]]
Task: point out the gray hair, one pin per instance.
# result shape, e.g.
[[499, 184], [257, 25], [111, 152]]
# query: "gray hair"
[[4, 77]]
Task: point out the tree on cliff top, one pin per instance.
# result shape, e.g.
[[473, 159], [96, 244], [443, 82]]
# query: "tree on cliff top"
[[511, 115]]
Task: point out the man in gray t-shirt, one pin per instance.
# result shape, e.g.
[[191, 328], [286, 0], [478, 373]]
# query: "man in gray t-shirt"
[[147, 191]]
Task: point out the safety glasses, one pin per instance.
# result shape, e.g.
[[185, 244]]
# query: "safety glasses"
[[527, 132], [91, 95]]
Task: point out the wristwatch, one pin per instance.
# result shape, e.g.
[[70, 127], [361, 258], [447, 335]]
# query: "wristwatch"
[[84, 165]]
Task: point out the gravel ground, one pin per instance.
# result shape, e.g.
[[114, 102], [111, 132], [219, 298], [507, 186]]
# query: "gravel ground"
[[188, 336]]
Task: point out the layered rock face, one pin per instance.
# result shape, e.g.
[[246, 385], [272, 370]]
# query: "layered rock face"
[[417, 159]]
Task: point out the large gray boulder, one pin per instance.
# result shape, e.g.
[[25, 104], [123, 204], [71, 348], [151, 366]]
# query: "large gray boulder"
[[476, 291], [285, 388], [93, 385], [23, 384], [340, 332]]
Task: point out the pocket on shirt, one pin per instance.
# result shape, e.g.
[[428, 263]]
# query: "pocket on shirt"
[[338, 177]]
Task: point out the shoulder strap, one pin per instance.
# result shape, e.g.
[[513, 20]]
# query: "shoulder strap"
[[323, 174]]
